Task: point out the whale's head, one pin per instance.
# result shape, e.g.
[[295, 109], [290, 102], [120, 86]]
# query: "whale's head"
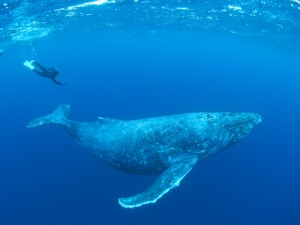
[[239, 125]]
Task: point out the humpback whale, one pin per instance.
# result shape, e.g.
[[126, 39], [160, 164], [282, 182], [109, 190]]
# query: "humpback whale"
[[167, 146]]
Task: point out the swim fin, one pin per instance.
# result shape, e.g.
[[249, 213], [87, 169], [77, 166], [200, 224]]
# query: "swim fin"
[[29, 64]]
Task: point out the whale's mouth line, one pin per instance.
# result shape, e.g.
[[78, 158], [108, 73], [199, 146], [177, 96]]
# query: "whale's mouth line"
[[253, 119]]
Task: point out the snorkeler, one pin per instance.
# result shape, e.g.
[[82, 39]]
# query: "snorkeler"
[[50, 73]]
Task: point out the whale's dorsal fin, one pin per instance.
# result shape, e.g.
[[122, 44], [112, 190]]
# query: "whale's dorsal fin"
[[165, 182], [106, 120]]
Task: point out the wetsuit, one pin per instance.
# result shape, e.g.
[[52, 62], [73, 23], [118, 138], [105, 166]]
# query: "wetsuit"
[[50, 73]]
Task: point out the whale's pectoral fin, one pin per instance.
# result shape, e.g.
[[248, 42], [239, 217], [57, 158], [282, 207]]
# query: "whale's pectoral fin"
[[169, 179]]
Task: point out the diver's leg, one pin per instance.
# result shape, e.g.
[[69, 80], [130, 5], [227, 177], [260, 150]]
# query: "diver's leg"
[[40, 66], [38, 72]]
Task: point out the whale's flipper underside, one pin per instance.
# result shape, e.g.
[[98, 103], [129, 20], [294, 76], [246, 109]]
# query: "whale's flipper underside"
[[169, 179]]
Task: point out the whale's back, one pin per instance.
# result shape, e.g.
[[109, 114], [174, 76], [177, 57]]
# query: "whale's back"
[[146, 146]]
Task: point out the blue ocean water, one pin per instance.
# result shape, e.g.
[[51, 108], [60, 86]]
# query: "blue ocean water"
[[139, 59]]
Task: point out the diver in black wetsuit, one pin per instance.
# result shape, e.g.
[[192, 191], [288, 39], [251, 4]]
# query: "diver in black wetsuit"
[[50, 73]]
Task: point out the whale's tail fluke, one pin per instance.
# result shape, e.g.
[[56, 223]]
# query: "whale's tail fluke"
[[59, 116]]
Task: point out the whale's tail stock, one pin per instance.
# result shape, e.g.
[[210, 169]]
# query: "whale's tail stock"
[[59, 117]]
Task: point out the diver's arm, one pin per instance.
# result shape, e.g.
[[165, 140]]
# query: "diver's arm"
[[57, 82]]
